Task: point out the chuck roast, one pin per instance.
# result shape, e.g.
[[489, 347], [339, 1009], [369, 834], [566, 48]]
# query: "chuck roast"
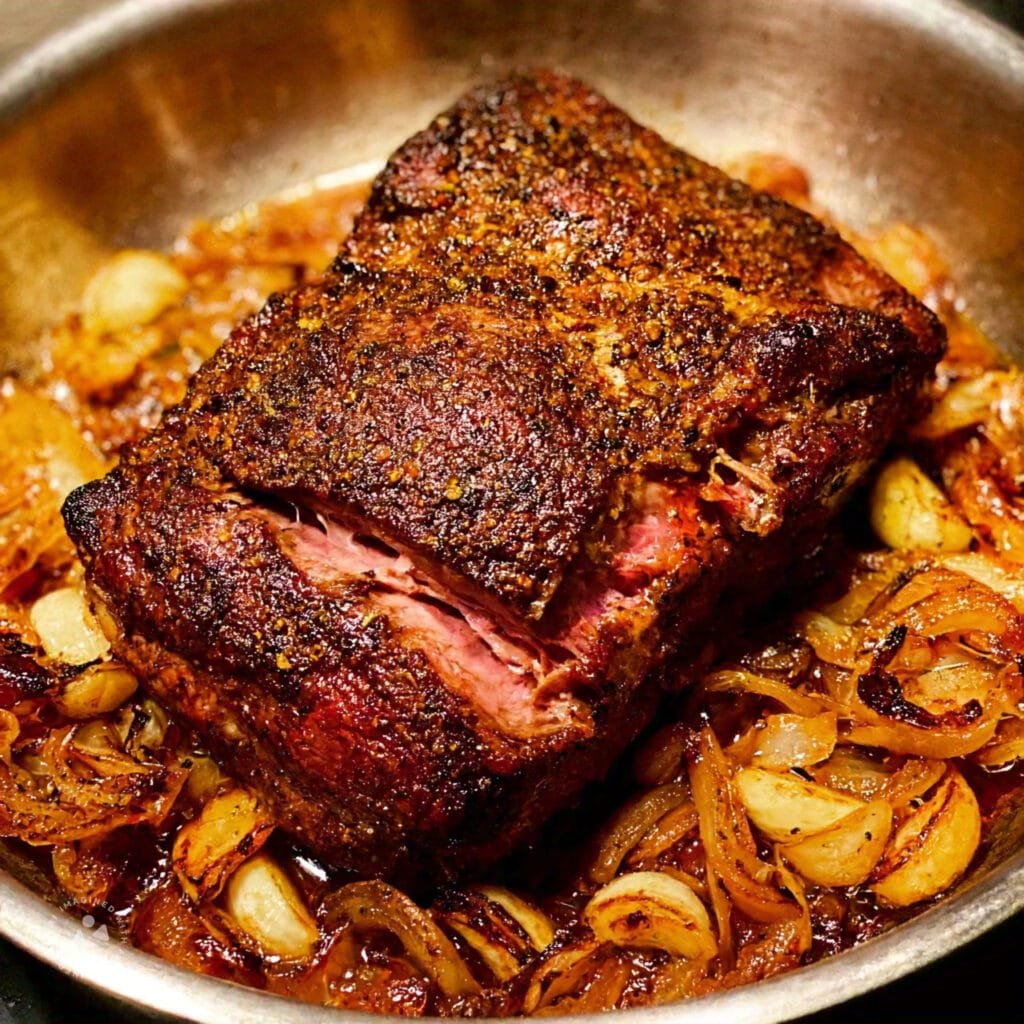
[[410, 553]]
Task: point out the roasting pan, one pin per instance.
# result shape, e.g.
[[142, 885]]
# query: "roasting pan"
[[120, 121]]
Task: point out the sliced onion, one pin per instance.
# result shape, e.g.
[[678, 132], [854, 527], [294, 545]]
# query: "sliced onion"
[[983, 504], [10, 727], [89, 870], [147, 731], [792, 741], [650, 910], [739, 681], [676, 825], [867, 588], [850, 770], [42, 458], [378, 905], [494, 933], [501, 961], [1007, 745], [905, 728], [167, 924], [937, 602], [1005, 579], [911, 780], [803, 930], [969, 403], [561, 974], [631, 824], [906, 739], [729, 847], [66, 804], [537, 925], [661, 756], [832, 643]]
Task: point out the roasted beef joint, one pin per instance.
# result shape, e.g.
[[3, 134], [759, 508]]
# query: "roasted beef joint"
[[411, 551]]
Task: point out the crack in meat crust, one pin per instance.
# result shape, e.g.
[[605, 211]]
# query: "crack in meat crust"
[[579, 385]]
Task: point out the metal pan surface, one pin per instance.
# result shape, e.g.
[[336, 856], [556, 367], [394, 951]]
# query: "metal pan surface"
[[120, 121]]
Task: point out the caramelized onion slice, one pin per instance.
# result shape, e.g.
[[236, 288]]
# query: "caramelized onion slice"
[[494, 923], [82, 793], [938, 601], [650, 910], [1005, 579], [560, 974], [660, 757], [850, 770], [832, 642], [42, 458], [89, 870], [969, 403], [883, 717], [10, 727], [501, 961], [907, 739], [536, 924], [1006, 747], [630, 825], [676, 825], [729, 847], [791, 741], [802, 928], [912, 779], [740, 681], [378, 905]]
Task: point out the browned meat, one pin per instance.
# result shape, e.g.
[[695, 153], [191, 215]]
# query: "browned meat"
[[411, 550]]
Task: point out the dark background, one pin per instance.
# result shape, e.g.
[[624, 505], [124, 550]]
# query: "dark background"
[[980, 982]]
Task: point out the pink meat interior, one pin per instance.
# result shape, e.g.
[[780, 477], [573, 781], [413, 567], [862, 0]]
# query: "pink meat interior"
[[522, 676]]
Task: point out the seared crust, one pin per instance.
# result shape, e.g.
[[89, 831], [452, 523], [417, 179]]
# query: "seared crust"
[[391, 402], [356, 742], [544, 309]]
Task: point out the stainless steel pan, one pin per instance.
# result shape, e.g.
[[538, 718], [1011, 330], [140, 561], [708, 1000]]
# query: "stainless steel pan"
[[120, 121]]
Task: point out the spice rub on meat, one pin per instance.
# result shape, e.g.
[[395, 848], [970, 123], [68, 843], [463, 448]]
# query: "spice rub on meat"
[[410, 551]]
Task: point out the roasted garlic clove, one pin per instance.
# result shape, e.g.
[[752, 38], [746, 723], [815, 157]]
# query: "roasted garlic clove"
[[933, 847], [785, 807], [845, 853], [909, 512]]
